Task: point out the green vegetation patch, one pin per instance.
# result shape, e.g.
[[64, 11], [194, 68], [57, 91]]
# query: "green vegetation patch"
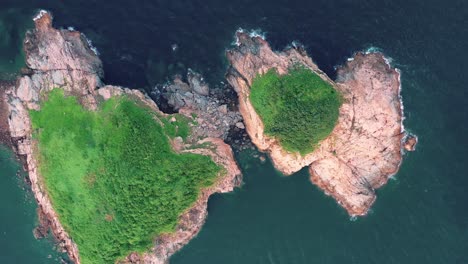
[[299, 109], [176, 125], [112, 176]]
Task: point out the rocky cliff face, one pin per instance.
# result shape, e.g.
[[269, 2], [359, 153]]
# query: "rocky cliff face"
[[63, 58], [363, 150]]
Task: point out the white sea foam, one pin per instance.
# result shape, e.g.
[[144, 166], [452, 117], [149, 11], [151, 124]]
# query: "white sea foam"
[[252, 33], [71, 28], [372, 49], [39, 15], [296, 44], [257, 33], [402, 108], [353, 218], [236, 41], [90, 44], [389, 61]]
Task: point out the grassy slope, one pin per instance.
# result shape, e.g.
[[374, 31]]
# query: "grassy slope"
[[299, 109], [112, 176]]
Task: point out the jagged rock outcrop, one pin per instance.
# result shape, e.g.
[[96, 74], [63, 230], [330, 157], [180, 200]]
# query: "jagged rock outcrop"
[[364, 148], [410, 142], [57, 58], [64, 59], [214, 119]]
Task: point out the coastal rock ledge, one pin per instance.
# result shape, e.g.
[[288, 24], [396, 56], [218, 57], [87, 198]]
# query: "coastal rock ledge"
[[365, 147], [63, 58]]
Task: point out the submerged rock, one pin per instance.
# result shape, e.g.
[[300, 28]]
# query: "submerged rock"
[[364, 148]]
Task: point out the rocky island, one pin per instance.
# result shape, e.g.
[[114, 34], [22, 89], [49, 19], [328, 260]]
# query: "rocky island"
[[119, 181], [365, 146], [58, 113]]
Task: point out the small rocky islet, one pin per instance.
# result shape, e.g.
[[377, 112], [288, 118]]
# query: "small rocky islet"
[[363, 150], [365, 147]]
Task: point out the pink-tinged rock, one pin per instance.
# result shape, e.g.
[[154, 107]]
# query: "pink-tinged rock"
[[63, 59], [364, 148], [410, 143]]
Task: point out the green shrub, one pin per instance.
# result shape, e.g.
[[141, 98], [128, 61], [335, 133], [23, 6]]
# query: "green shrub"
[[112, 176], [299, 109]]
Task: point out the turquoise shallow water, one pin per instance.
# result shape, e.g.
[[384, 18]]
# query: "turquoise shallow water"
[[420, 217], [18, 217]]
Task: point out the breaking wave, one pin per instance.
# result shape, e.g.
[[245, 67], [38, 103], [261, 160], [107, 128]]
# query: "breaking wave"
[[252, 33]]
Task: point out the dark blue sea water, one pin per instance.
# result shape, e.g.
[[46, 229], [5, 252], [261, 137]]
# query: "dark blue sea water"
[[420, 217]]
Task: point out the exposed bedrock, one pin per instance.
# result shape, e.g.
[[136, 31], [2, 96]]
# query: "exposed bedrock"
[[214, 117], [365, 147], [59, 58]]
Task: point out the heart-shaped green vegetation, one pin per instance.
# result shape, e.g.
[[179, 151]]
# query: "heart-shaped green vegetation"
[[112, 176]]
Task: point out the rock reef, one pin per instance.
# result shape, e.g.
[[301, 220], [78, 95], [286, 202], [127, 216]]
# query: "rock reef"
[[63, 58], [214, 118], [365, 147]]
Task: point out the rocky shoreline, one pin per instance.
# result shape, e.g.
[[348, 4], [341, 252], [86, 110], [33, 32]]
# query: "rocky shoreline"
[[362, 152], [63, 58], [365, 147]]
